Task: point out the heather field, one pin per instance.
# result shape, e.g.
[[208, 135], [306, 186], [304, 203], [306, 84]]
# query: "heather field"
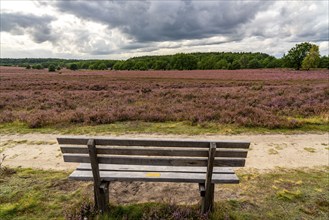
[[271, 98]]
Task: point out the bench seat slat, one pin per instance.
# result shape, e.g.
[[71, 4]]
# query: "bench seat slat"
[[155, 142], [84, 175], [178, 169], [188, 152], [161, 161]]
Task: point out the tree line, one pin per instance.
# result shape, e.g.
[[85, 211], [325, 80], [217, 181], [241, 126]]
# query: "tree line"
[[303, 56]]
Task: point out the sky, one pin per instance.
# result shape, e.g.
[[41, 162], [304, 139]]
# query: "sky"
[[120, 29]]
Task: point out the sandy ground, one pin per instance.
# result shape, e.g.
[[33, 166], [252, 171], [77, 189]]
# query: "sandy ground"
[[267, 153]]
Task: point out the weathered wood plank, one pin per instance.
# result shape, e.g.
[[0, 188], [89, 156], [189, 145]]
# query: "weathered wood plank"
[[207, 203], [139, 168], [105, 196], [95, 171], [136, 142], [100, 197], [156, 151], [160, 161], [154, 142], [84, 175]]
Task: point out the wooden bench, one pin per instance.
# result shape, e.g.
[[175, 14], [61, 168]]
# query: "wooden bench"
[[105, 160]]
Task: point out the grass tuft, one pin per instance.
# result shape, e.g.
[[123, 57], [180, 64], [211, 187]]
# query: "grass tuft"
[[289, 195], [310, 149]]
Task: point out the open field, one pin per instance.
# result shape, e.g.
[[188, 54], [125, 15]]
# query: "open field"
[[271, 98]]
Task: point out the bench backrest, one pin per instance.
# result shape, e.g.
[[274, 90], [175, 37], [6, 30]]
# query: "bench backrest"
[[154, 152]]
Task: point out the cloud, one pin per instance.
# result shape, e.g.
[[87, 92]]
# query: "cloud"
[[122, 29], [156, 21], [293, 22], [37, 26]]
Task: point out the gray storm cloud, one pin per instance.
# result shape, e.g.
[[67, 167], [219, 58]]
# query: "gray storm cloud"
[[37, 26], [126, 27], [147, 21]]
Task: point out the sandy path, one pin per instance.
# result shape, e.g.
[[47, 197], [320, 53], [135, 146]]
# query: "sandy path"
[[267, 152]]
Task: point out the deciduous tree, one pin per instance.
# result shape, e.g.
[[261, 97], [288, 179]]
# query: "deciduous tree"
[[297, 54], [312, 59]]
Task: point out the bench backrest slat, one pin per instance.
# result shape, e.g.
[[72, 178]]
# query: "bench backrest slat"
[[156, 161], [156, 151], [154, 143]]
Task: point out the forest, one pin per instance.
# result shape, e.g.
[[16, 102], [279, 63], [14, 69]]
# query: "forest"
[[180, 61]]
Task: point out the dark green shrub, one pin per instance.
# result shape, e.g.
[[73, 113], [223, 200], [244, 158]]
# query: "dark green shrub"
[[51, 68]]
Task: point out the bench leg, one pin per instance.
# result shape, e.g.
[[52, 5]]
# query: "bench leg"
[[202, 189], [102, 197], [208, 200]]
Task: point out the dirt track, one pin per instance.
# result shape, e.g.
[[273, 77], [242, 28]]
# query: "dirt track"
[[267, 152]]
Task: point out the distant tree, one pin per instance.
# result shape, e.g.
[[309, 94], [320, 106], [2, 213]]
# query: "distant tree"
[[160, 65], [28, 67], [37, 66], [85, 65], [127, 65], [73, 66], [312, 59], [324, 62], [140, 65], [102, 66], [254, 64], [184, 62], [235, 65], [207, 63], [297, 54], [92, 67], [222, 64], [117, 65], [274, 63], [266, 62], [244, 60], [51, 68]]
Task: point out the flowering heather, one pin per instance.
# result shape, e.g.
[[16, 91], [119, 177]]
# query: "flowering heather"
[[254, 98]]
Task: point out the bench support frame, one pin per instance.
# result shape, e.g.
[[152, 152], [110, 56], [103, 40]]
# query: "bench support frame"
[[208, 199], [101, 188]]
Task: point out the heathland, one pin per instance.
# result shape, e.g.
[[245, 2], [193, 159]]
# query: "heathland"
[[210, 99]]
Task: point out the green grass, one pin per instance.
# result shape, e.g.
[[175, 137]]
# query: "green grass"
[[36, 194], [286, 194], [179, 128], [281, 194], [310, 149]]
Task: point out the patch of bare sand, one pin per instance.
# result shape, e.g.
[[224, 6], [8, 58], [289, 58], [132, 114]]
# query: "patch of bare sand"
[[267, 153]]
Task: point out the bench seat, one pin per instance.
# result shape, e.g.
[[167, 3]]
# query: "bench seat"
[[115, 172]]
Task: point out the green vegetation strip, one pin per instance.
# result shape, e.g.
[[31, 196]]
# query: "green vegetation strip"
[[281, 194], [138, 127]]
